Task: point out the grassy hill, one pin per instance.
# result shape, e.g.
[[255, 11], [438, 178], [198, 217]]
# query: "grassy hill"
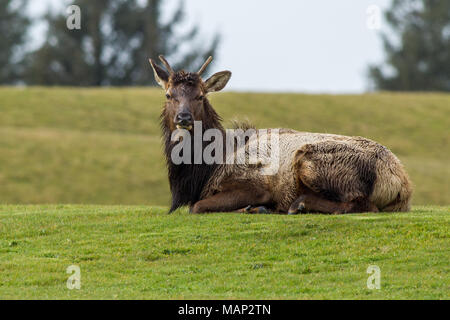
[[102, 146], [143, 253]]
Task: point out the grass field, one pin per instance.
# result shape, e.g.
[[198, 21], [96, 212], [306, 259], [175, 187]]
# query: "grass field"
[[102, 146], [141, 252]]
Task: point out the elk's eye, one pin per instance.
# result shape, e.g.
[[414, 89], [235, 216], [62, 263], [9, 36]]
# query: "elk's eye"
[[168, 96], [200, 97]]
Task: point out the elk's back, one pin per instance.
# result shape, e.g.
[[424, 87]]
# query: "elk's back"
[[341, 167]]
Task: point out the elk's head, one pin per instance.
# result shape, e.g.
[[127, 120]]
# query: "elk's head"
[[186, 93]]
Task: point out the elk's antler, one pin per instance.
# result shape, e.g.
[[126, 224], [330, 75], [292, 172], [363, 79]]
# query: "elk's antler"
[[166, 64], [202, 69]]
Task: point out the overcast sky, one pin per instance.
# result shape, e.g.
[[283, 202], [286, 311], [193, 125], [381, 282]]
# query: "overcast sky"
[[285, 45]]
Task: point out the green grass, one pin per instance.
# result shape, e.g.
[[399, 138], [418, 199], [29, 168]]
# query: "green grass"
[[131, 252], [102, 146]]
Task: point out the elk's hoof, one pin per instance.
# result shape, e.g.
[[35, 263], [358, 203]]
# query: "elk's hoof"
[[297, 208], [253, 210], [262, 210]]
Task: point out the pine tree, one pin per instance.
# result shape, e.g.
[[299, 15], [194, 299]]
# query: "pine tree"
[[13, 28], [419, 58], [113, 45]]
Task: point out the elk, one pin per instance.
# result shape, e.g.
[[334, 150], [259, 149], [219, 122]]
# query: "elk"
[[318, 173]]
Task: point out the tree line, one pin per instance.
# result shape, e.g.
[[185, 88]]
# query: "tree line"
[[118, 36], [111, 48]]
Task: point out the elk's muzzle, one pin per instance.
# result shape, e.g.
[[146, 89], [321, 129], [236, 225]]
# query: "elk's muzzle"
[[184, 120]]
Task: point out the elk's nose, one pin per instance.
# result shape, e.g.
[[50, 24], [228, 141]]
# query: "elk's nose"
[[184, 118]]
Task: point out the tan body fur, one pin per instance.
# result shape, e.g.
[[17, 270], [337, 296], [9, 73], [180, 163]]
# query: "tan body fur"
[[321, 162]]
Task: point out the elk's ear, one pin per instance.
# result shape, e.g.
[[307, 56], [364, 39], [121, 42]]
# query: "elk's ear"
[[161, 76], [217, 81]]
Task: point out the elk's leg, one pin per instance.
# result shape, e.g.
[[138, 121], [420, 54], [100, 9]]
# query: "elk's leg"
[[298, 206], [309, 203], [313, 203], [232, 200], [252, 210]]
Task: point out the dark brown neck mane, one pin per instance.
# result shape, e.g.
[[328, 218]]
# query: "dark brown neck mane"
[[187, 181]]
